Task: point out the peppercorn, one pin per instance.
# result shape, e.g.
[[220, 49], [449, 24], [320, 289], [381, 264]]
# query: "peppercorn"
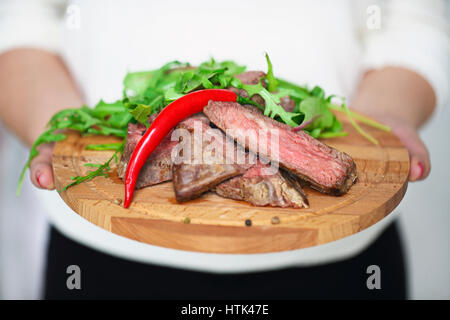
[[187, 220], [248, 222], [275, 220]]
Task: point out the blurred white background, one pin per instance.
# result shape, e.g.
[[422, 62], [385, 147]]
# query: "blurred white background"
[[425, 215]]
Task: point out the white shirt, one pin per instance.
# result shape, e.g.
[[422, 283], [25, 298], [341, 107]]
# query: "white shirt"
[[329, 43]]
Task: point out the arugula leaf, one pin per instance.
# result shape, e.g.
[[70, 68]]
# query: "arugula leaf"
[[272, 81], [315, 132], [273, 107], [232, 68], [357, 127], [171, 95], [102, 170], [103, 109], [106, 131], [141, 113], [361, 118], [337, 125], [157, 88], [159, 74], [327, 135], [316, 107], [318, 92], [119, 120], [296, 92], [94, 165], [114, 114], [105, 146], [210, 75], [136, 83]]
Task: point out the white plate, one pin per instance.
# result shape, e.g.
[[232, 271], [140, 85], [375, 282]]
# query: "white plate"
[[77, 228]]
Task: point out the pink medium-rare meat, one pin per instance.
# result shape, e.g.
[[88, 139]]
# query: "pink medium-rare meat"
[[324, 168]]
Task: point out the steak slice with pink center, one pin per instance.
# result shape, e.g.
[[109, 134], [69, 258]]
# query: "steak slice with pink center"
[[324, 168]]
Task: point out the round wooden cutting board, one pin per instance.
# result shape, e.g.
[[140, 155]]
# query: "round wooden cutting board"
[[217, 224]]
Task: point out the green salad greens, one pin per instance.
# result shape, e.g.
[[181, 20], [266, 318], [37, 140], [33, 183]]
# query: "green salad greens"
[[148, 92]]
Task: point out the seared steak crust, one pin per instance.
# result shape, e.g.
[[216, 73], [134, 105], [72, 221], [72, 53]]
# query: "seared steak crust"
[[262, 188], [192, 177]]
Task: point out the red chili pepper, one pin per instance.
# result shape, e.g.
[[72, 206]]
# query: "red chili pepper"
[[169, 117]]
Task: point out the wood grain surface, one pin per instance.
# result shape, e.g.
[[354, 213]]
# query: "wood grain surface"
[[218, 224]]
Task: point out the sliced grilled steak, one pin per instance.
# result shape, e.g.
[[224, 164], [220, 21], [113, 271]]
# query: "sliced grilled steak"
[[207, 166], [326, 169], [158, 166], [261, 187]]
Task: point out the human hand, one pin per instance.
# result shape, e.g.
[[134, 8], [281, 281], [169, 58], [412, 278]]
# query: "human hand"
[[40, 83], [420, 164], [403, 100], [41, 170]]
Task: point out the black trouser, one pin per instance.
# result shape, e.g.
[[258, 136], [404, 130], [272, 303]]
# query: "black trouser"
[[104, 276]]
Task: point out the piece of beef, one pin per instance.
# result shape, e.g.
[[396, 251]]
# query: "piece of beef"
[[251, 77], [324, 168], [287, 103], [261, 187], [158, 167], [212, 159]]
